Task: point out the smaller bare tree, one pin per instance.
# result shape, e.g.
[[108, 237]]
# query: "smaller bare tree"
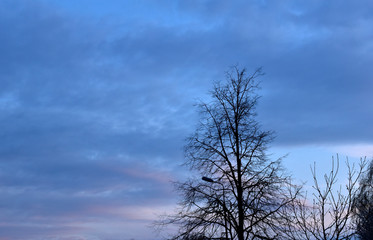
[[329, 215]]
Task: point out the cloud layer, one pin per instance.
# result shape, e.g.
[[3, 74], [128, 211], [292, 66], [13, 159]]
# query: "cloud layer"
[[96, 99]]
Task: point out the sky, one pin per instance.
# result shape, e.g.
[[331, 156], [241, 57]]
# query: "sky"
[[97, 98]]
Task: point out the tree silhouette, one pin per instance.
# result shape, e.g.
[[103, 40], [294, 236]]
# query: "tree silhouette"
[[329, 214], [245, 195], [363, 204]]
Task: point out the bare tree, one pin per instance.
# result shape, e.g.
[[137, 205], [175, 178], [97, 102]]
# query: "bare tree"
[[246, 194], [363, 205], [329, 215]]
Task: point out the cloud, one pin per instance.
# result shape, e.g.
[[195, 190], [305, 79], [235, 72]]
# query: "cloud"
[[96, 100]]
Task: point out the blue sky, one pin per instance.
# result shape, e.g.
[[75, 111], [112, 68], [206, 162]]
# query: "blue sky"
[[97, 98]]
